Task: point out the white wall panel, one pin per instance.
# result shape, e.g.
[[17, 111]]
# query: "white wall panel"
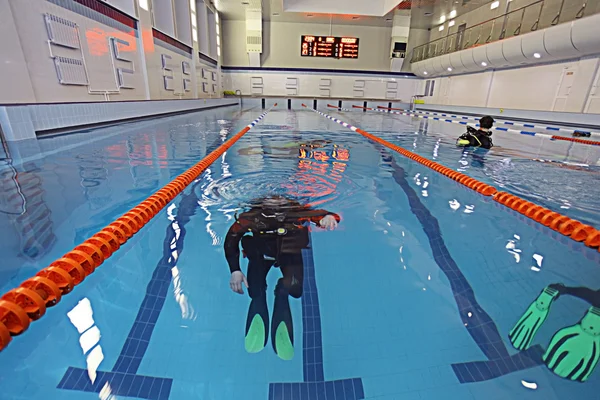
[[470, 89], [14, 77], [525, 88], [95, 49], [274, 84], [581, 84]]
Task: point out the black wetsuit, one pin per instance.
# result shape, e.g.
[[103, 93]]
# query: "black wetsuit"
[[477, 138], [272, 237]]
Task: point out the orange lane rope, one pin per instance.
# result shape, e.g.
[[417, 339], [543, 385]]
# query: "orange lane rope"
[[584, 141], [572, 228], [28, 302]]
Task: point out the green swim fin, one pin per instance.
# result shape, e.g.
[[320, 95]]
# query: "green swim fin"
[[574, 351], [257, 325], [522, 334], [282, 334], [462, 142]]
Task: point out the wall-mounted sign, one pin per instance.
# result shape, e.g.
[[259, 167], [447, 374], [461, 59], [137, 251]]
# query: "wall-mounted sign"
[[329, 46]]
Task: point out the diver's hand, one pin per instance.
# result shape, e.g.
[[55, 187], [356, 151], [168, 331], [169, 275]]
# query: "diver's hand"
[[328, 222], [235, 283]]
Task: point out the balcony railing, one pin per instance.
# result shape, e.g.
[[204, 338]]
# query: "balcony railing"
[[537, 15]]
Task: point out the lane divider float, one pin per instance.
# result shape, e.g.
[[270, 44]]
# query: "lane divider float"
[[545, 127], [528, 133], [418, 116], [569, 227], [29, 302]]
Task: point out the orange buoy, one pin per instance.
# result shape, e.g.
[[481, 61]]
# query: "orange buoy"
[[105, 248], [131, 224], [556, 222], [593, 239], [59, 276], [93, 251], [72, 267], [118, 229], [581, 232], [136, 217], [142, 213], [47, 289], [568, 226], [488, 190], [4, 336], [31, 302], [13, 317], [549, 217], [532, 210], [111, 239]]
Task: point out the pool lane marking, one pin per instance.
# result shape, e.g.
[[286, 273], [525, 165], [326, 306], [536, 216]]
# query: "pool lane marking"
[[478, 323], [521, 132], [123, 378], [83, 260], [548, 128], [567, 226], [314, 385]]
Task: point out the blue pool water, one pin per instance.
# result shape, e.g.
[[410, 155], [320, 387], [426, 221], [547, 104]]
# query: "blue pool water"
[[412, 297]]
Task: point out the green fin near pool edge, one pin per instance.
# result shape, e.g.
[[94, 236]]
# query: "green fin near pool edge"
[[256, 337], [574, 351], [523, 333], [283, 345], [462, 142], [257, 325]]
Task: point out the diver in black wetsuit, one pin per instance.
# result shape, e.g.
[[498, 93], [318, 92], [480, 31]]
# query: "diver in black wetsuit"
[[273, 233], [481, 137]]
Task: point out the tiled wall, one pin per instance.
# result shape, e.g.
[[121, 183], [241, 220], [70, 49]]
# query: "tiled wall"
[[22, 122], [76, 60]]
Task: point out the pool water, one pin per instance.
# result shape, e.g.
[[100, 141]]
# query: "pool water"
[[413, 296]]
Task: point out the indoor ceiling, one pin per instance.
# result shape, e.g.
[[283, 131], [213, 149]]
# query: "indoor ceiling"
[[273, 10], [426, 14]]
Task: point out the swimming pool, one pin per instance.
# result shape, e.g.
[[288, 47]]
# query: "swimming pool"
[[412, 297]]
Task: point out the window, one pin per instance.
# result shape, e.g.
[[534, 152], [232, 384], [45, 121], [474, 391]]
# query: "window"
[[218, 34]]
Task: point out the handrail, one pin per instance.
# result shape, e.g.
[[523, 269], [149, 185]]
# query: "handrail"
[[440, 46], [28, 302], [480, 24]]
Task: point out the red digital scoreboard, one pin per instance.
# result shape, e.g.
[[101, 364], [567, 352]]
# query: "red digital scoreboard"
[[329, 46]]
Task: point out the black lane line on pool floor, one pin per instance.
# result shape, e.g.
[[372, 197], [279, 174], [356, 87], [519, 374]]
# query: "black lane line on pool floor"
[[314, 386], [123, 378], [477, 321]]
